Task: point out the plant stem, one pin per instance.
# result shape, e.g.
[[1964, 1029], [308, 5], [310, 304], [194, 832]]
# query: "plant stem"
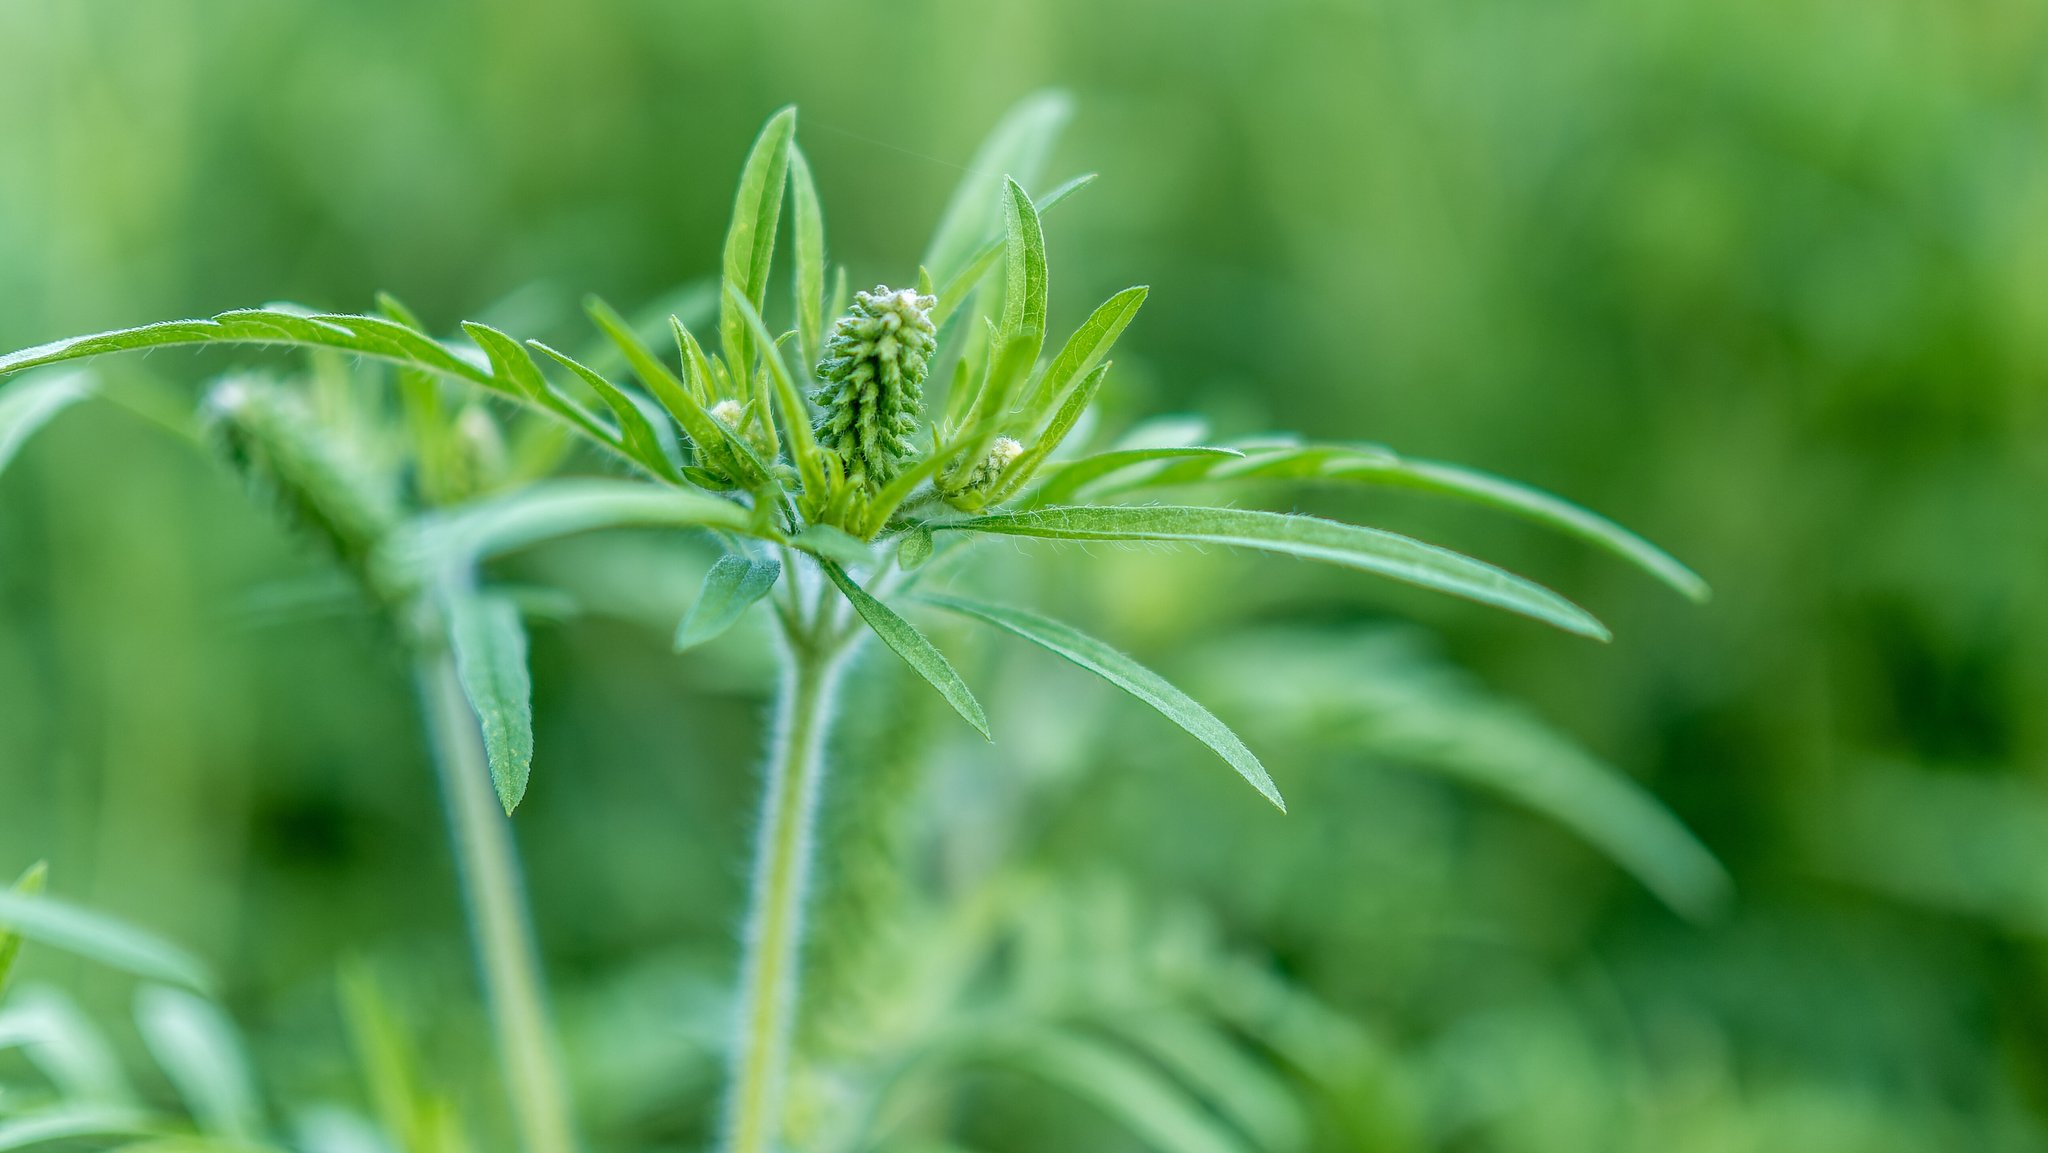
[[772, 949], [494, 895]]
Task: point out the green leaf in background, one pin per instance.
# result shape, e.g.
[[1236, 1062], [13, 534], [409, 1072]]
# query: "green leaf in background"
[[1245, 1089], [27, 405], [1128, 675], [730, 588], [31, 884], [916, 650], [1123, 1086], [750, 241], [1384, 692], [490, 660], [70, 1121], [808, 252], [1352, 546], [98, 937], [199, 1051], [1017, 147]]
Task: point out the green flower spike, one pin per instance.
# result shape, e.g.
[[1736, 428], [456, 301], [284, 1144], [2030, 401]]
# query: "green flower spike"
[[873, 397]]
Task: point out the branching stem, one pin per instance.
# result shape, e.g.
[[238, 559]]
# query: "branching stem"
[[494, 895]]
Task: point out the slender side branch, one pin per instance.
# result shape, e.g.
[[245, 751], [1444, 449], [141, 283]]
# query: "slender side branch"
[[773, 947], [494, 894]]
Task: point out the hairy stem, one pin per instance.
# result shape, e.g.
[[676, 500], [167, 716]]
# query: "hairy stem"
[[494, 894], [773, 946]]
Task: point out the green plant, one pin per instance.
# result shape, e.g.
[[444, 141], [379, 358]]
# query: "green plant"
[[840, 495]]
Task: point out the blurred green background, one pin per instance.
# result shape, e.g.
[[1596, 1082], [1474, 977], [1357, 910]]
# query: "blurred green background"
[[1765, 281]]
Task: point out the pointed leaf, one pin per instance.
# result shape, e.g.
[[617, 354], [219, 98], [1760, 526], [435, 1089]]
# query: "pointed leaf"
[[809, 252], [916, 650], [730, 588], [955, 291], [490, 661], [1024, 294], [98, 937], [796, 413], [1128, 675], [1366, 549], [649, 445], [1088, 345], [750, 241]]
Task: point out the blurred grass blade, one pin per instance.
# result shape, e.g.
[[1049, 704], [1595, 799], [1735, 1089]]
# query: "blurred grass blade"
[[1124, 1087], [49, 921], [65, 1045], [1366, 549], [490, 661], [750, 241], [26, 405], [31, 883], [66, 1122], [1017, 147], [197, 1048], [431, 544], [808, 252], [1128, 675], [1246, 1090], [730, 588], [905, 641]]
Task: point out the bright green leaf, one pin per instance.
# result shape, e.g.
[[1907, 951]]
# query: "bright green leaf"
[[1366, 549], [809, 252], [490, 661], [916, 650], [1128, 675], [750, 241], [730, 588], [27, 405]]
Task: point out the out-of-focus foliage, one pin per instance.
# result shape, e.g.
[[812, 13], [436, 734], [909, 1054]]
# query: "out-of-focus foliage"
[[1761, 280]]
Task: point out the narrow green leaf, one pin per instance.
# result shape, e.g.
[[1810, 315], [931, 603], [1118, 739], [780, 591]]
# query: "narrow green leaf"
[[29, 404], [32, 883], [197, 1048], [956, 290], [456, 538], [1378, 465], [750, 241], [796, 412], [1071, 410], [1128, 675], [1366, 549], [673, 394], [1024, 294], [730, 588], [1532, 504], [1018, 146], [833, 543], [1088, 345], [809, 254], [1076, 475], [651, 446], [490, 661], [1200, 1054], [98, 937], [916, 650]]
